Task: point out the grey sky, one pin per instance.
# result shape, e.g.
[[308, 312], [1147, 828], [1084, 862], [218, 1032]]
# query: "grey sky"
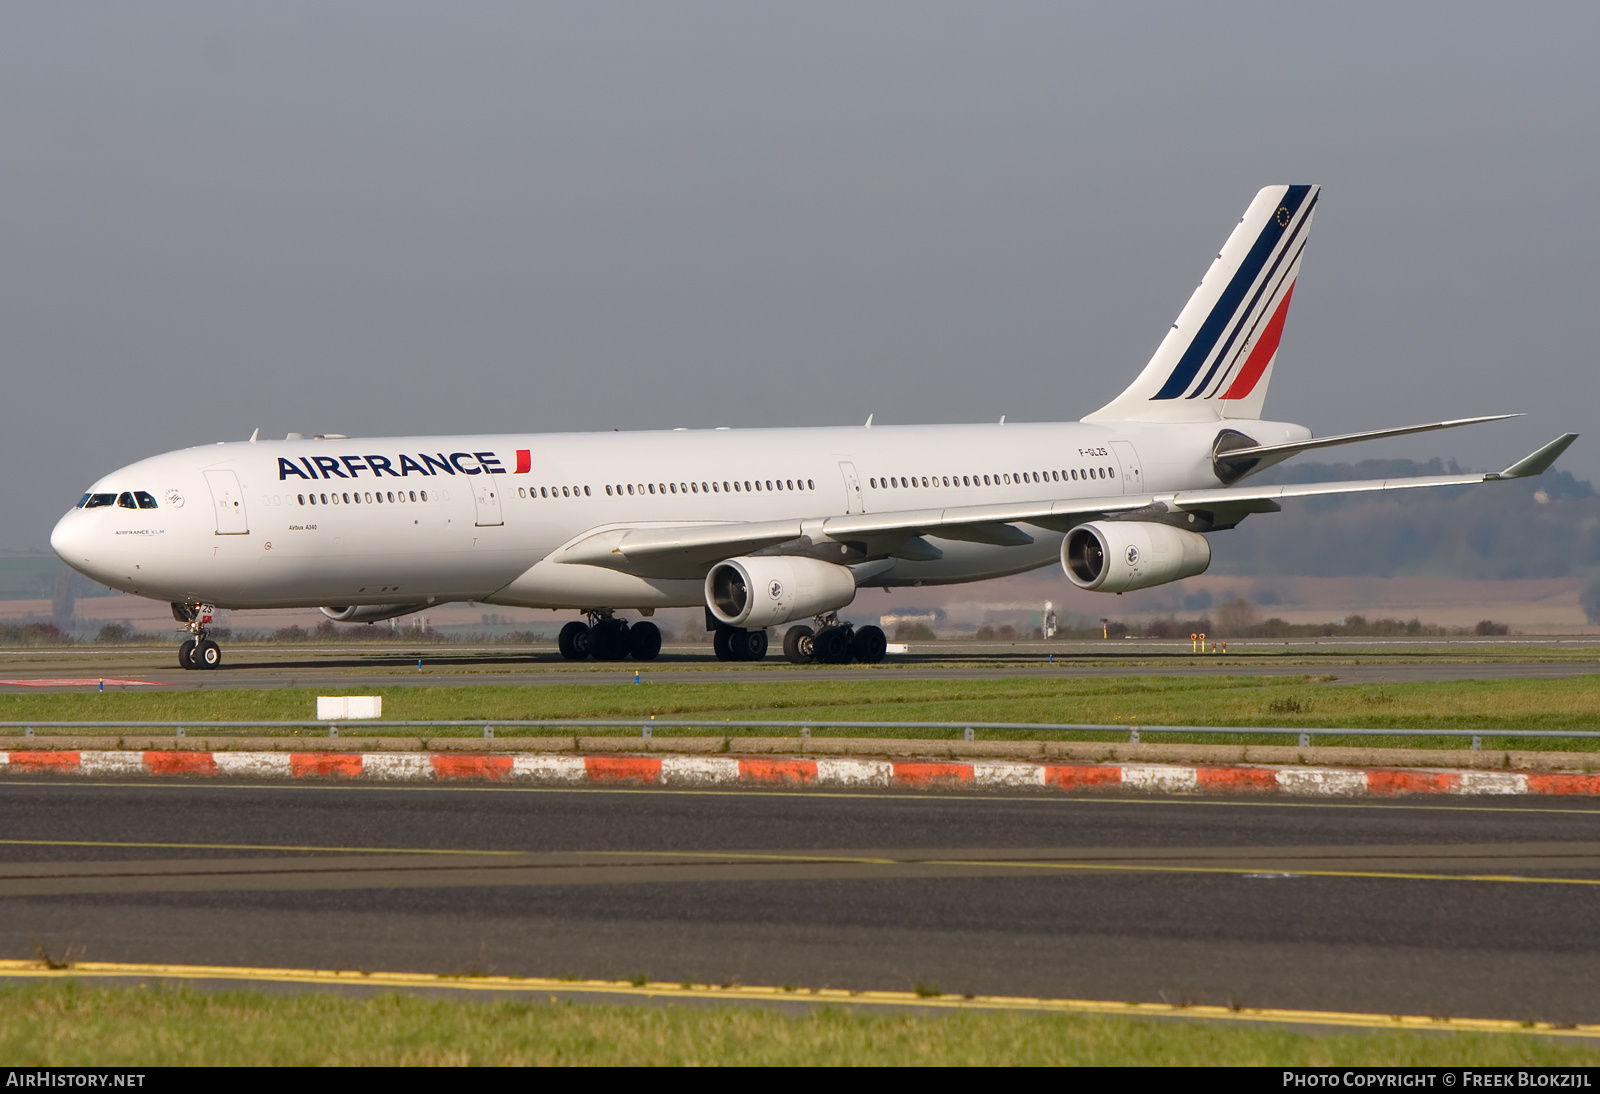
[[388, 218]]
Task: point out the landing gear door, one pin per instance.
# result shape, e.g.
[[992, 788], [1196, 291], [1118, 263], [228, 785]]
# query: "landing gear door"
[[228, 502], [486, 496], [852, 489], [1132, 473]]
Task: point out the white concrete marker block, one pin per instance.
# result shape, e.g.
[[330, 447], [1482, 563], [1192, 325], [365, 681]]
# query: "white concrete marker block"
[[1161, 778], [1322, 781], [555, 769], [698, 770], [855, 772], [120, 762], [985, 773], [348, 707], [258, 765], [396, 765], [1492, 782]]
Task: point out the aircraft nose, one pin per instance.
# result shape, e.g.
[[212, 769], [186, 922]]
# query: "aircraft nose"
[[73, 540]]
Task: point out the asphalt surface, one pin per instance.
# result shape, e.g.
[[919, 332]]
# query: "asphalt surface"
[[1481, 909], [1353, 661]]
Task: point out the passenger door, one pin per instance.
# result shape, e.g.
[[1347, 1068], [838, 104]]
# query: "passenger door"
[[228, 502], [486, 496], [852, 488], [1132, 474]]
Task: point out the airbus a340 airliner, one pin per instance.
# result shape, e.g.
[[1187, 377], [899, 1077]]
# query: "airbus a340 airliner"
[[762, 527]]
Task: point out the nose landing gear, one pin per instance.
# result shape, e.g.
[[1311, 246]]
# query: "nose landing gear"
[[198, 652], [607, 638]]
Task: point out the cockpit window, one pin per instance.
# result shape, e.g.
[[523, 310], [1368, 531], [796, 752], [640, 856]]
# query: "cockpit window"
[[145, 500], [126, 501], [96, 501]]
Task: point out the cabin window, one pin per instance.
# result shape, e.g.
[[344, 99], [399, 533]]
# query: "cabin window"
[[586, 492]]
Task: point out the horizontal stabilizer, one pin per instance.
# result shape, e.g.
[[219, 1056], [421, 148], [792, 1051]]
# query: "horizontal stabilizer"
[[1284, 451]]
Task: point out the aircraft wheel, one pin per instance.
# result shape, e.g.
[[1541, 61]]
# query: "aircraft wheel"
[[644, 641], [186, 653], [722, 645], [752, 645], [799, 645], [574, 641], [869, 645], [207, 655], [608, 640], [832, 645]]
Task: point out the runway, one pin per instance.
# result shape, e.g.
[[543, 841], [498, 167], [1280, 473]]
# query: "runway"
[[1444, 908], [1362, 661]]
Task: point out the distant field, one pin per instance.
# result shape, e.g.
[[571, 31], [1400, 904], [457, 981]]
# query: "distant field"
[[65, 1024], [1309, 701]]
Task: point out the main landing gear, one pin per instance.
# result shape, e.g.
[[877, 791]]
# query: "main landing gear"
[[739, 644], [198, 651], [834, 643], [607, 638]]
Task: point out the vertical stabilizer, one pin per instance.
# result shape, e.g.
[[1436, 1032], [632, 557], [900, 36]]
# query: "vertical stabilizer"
[[1217, 359]]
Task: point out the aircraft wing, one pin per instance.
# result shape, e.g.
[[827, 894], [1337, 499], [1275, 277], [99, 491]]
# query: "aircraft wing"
[[684, 551]]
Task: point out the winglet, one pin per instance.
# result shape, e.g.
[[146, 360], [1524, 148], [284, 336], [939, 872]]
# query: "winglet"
[[1537, 463]]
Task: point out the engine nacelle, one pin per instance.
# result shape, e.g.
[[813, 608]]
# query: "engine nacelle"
[[773, 589], [1109, 556], [369, 613]]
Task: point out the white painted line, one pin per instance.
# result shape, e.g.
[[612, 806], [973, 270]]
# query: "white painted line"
[[545, 768], [1322, 781], [396, 765], [855, 772], [1160, 778], [698, 770], [990, 773]]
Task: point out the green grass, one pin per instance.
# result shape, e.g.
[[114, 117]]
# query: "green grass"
[[67, 1024], [1315, 701]]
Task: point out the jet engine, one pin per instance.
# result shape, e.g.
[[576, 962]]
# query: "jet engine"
[[773, 589], [369, 613], [1115, 556]]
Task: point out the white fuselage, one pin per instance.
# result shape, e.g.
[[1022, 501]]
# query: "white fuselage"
[[306, 523]]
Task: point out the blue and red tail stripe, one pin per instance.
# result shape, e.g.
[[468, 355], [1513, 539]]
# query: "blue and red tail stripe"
[[1274, 245]]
